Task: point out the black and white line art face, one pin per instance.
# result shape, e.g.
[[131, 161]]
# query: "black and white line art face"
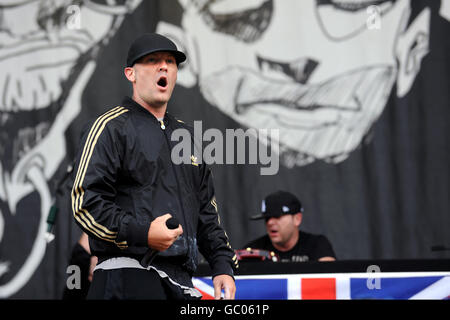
[[320, 71], [47, 56]]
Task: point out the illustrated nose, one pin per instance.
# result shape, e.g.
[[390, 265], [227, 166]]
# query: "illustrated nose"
[[299, 70]]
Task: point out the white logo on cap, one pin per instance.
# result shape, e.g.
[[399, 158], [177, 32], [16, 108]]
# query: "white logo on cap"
[[285, 209], [263, 206]]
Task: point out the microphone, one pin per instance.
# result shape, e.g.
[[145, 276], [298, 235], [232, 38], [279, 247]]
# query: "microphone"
[[171, 223]]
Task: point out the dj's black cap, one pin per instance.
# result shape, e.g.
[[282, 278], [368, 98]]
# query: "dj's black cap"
[[277, 204]]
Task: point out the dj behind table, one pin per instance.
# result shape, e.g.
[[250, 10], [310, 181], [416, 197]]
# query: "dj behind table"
[[262, 276]]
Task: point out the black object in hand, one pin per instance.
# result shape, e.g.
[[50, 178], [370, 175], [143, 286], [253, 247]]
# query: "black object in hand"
[[171, 223]]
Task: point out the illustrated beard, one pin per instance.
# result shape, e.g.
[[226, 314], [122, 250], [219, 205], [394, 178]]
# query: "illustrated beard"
[[324, 121]]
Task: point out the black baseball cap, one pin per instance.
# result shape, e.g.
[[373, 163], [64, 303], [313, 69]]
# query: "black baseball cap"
[[277, 204], [152, 42]]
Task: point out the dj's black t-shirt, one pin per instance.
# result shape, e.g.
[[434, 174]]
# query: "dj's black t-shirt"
[[309, 247]]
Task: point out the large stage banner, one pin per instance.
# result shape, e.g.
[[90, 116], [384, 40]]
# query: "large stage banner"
[[357, 92]]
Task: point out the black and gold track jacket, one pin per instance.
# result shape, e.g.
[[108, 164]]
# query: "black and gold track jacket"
[[124, 178]]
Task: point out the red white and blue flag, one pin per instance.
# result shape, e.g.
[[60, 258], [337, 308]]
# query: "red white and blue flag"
[[397, 286]]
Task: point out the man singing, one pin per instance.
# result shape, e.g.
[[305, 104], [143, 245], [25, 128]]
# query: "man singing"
[[126, 188]]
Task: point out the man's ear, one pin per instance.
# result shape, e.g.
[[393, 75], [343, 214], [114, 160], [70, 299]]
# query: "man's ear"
[[298, 219], [130, 74], [411, 47], [187, 71]]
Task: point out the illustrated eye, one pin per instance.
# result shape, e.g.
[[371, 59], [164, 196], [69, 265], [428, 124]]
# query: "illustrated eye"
[[352, 5], [340, 19], [244, 20]]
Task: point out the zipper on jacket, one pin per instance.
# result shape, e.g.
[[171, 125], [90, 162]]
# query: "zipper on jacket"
[[163, 127]]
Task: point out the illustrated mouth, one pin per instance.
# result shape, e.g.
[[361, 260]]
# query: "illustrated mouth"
[[282, 99], [322, 120]]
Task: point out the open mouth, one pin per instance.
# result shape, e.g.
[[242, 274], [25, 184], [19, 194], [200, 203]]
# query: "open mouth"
[[162, 82]]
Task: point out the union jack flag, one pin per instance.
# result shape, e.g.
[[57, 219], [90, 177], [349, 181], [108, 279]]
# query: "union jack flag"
[[398, 286]]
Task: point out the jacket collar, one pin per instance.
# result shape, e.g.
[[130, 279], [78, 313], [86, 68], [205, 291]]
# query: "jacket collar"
[[130, 103]]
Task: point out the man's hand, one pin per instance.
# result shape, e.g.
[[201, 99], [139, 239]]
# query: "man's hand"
[[225, 282], [159, 236], [93, 264]]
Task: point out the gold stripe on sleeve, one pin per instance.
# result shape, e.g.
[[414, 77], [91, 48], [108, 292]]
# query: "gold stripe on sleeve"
[[80, 213]]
